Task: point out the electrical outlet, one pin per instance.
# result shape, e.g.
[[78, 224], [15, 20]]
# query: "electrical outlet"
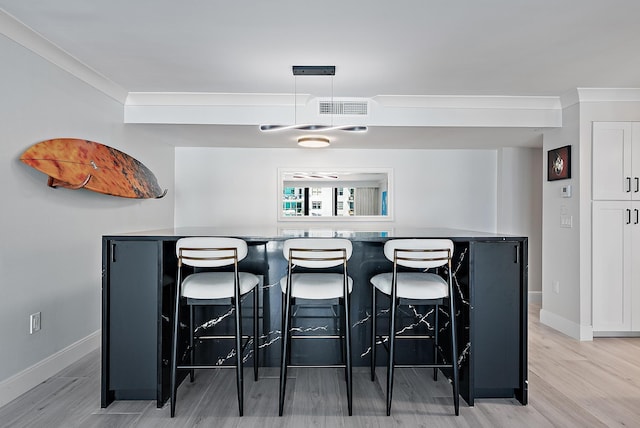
[[35, 322]]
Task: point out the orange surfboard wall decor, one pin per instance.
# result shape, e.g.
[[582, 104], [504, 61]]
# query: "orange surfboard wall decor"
[[81, 164]]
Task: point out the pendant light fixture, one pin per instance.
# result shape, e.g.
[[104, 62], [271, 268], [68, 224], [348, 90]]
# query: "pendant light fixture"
[[312, 70]]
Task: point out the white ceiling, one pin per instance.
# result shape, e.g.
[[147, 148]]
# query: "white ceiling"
[[379, 47]]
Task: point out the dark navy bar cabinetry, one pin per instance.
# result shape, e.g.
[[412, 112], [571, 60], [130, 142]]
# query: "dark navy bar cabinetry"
[[139, 278]]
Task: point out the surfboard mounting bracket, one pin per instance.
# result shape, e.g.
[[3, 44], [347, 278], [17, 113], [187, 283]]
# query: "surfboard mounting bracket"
[[54, 182]]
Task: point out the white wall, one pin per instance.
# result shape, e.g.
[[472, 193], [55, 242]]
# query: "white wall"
[[432, 188], [561, 246], [520, 205], [51, 243]]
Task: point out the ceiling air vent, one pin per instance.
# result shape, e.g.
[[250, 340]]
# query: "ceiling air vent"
[[351, 108]]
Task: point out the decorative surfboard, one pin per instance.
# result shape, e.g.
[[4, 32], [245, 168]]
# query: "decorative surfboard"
[[81, 164]]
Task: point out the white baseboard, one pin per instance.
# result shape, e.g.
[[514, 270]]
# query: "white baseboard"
[[616, 334], [563, 325], [535, 297], [22, 382]]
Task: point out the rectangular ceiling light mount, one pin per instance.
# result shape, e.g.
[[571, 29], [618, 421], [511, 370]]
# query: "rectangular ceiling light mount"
[[314, 70]]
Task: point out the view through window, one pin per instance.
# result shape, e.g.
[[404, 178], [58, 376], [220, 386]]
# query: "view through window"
[[318, 201]]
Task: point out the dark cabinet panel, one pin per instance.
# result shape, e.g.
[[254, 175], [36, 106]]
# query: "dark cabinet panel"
[[497, 295], [133, 319]]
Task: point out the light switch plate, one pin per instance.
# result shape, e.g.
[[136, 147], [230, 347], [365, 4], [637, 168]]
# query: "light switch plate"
[[566, 221]]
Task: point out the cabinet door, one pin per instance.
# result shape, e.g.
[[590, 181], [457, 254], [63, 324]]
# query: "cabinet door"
[[632, 259], [612, 176], [133, 319], [611, 267], [496, 324], [635, 161]]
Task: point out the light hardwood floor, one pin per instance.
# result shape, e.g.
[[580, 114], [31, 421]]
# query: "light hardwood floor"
[[571, 384]]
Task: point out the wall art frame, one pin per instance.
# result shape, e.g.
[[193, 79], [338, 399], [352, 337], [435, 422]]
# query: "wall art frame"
[[559, 163]]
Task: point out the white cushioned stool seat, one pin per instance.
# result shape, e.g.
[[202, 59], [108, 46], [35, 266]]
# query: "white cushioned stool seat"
[[413, 285], [316, 286], [216, 285]]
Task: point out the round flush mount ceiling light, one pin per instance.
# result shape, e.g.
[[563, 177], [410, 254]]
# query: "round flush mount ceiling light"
[[313, 142]]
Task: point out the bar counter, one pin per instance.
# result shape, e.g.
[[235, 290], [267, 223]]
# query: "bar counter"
[[139, 279]]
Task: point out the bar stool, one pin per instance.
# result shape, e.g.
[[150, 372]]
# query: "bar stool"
[[409, 286], [316, 254], [213, 288]]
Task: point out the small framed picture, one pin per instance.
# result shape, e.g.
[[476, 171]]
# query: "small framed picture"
[[559, 163]]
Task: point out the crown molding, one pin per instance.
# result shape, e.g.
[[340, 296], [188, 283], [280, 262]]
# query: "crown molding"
[[214, 99], [25, 36], [589, 95], [470, 101], [598, 95]]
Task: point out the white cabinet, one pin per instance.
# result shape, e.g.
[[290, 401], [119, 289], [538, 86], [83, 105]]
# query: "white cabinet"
[[616, 227], [616, 161], [616, 277]]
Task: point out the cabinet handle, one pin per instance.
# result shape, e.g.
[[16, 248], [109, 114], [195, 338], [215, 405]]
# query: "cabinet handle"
[[113, 252], [628, 184], [637, 219], [517, 259], [628, 216], [637, 185]]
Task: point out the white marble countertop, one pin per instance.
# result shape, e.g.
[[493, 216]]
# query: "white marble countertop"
[[281, 232]]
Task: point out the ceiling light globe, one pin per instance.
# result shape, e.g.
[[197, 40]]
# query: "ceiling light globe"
[[313, 142]]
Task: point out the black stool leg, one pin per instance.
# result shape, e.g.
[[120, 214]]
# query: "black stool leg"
[[239, 381], [284, 314], [285, 349], [347, 336], [454, 356], [192, 350], [390, 366], [340, 326], [256, 334], [373, 334], [174, 351], [292, 304], [435, 342]]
